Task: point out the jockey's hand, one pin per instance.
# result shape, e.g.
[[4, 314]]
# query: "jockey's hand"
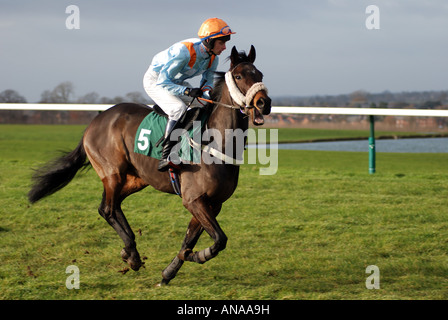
[[194, 93]]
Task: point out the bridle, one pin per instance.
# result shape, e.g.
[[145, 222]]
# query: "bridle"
[[243, 102]]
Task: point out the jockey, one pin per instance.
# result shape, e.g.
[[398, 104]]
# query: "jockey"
[[164, 81]]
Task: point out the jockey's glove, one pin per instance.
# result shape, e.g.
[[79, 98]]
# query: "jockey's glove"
[[194, 93]]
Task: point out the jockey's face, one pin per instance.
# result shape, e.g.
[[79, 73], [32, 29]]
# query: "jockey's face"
[[219, 47]]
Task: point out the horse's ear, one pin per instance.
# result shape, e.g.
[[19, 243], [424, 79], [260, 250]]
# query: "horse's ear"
[[234, 57], [252, 54]]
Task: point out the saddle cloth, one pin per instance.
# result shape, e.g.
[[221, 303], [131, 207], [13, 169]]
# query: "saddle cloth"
[[152, 129]]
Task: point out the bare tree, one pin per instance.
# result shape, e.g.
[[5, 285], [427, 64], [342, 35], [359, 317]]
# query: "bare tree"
[[62, 93], [359, 97], [91, 97], [136, 97], [11, 96], [106, 100], [45, 97], [11, 116]]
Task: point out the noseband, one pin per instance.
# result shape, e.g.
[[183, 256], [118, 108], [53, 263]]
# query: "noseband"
[[240, 99]]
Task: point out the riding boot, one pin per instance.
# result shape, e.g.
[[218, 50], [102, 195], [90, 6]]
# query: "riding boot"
[[164, 163]]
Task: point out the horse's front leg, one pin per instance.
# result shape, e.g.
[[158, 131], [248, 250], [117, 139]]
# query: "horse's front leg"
[[205, 213], [194, 231]]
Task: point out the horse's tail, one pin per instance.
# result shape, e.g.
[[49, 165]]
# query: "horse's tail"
[[57, 173]]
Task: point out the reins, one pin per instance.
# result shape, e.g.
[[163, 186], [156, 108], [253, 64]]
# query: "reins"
[[220, 103]]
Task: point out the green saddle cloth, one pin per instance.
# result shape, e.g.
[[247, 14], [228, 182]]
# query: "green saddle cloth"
[[152, 129]]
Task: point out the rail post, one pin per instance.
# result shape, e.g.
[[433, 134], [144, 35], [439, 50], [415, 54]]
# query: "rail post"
[[372, 151]]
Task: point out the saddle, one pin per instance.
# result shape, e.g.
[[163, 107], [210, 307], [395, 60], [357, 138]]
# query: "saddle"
[[186, 122]]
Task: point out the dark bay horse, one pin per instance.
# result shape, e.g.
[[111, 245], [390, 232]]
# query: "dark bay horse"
[[108, 143]]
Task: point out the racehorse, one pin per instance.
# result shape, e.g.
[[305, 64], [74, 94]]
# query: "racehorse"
[[108, 143]]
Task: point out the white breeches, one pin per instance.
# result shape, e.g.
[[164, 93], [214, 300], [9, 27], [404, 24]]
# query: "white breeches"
[[173, 106]]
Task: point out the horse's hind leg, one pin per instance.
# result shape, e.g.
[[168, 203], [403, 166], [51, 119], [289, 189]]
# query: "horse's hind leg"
[[110, 210]]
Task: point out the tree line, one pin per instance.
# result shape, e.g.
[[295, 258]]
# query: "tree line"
[[364, 99], [64, 93]]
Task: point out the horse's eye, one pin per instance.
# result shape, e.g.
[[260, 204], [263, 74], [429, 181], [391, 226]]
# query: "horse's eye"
[[238, 77]]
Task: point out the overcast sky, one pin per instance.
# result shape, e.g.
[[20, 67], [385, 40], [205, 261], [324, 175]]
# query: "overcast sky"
[[303, 47]]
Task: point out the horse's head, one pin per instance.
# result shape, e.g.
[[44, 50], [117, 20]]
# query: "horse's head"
[[252, 96]]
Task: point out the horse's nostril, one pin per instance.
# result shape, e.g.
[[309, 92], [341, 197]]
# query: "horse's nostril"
[[264, 104]]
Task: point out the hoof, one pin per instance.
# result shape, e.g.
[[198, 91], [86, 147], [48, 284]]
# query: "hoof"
[[133, 259], [135, 264], [163, 283]]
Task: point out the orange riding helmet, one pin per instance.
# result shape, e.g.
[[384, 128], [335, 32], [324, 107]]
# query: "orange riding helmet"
[[214, 28]]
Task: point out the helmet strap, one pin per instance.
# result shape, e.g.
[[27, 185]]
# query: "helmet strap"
[[209, 44]]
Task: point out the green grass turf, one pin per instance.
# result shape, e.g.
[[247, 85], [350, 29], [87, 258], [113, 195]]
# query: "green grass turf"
[[307, 232]]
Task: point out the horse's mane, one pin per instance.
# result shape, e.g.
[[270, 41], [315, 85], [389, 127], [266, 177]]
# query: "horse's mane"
[[218, 84]]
